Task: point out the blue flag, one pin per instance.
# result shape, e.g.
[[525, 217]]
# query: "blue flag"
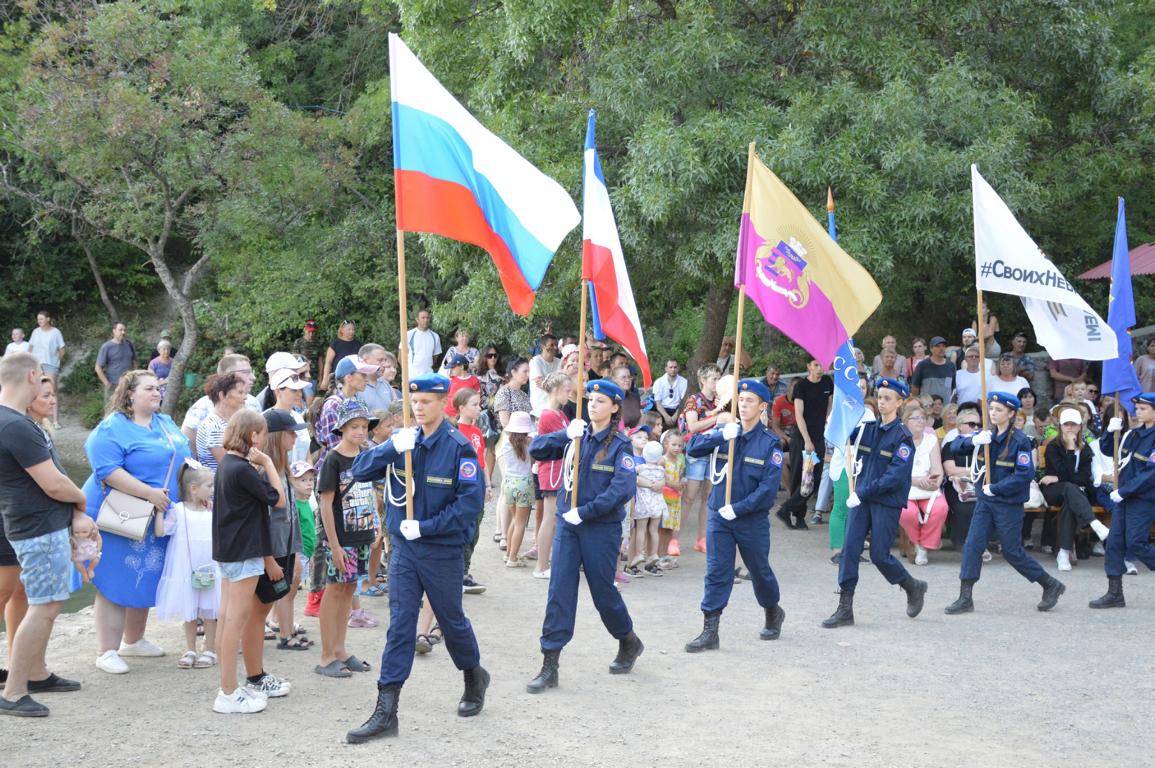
[[1118, 374], [849, 404]]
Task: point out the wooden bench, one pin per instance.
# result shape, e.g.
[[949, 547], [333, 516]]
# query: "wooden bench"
[[906, 546]]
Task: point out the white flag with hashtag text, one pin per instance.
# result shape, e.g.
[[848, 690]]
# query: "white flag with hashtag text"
[[1007, 260]]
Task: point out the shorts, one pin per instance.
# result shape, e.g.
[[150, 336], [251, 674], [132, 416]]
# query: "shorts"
[[518, 491], [45, 567], [538, 492], [356, 564], [243, 569], [7, 554], [50, 370], [696, 468]]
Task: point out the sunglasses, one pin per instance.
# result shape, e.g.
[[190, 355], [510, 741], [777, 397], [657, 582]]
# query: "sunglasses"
[[1092, 391], [491, 354]]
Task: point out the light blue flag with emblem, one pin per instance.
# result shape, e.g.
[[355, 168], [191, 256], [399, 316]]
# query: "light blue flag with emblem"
[[848, 401], [1119, 376]]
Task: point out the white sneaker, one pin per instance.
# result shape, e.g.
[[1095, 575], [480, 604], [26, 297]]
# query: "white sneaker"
[[920, 556], [1064, 560], [542, 574], [237, 703], [253, 693], [1100, 530], [271, 687], [1097, 549], [1132, 570], [141, 647], [110, 662]]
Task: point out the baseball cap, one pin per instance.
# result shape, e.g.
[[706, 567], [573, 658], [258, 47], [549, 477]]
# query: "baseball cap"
[[936, 340], [969, 332], [1070, 416], [298, 468], [286, 378], [310, 325], [280, 420], [353, 364], [279, 360], [456, 358]]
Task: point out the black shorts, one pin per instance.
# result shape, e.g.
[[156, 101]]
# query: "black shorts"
[[7, 554]]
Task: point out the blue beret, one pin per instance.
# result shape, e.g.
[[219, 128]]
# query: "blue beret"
[[607, 388], [1005, 398], [429, 382], [895, 384], [756, 387], [1147, 398]]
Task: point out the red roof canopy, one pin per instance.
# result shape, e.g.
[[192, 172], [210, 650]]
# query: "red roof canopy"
[[1142, 263]]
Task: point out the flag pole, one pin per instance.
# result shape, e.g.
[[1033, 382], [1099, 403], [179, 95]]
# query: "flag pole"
[[737, 376], [577, 444], [983, 407], [406, 412]]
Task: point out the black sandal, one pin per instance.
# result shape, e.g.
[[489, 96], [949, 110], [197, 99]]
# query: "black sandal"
[[293, 644]]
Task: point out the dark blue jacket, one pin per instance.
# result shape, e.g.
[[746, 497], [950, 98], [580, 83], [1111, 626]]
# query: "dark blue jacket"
[[605, 484], [1010, 478], [1137, 478], [448, 493], [887, 454], [759, 461]]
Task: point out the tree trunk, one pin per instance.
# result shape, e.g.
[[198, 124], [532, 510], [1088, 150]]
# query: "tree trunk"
[[179, 293], [113, 315], [717, 311]]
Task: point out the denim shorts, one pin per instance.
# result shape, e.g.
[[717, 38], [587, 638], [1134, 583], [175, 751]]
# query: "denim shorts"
[[45, 567], [49, 370], [696, 468], [245, 569]]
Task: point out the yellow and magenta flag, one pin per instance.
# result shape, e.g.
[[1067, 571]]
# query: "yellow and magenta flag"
[[802, 281]]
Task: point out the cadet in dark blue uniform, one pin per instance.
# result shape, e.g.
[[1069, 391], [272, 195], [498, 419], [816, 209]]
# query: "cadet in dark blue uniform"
[[886, 451], [589, 533], [448, 494], [999, 504], [1134, 497], [745, 523]]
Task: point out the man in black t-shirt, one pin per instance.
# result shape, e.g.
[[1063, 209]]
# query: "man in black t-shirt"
[[812, 398], [38, 505]]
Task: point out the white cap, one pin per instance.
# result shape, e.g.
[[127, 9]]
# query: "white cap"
[[286, 378], [1070, 416], [279, 360], [567, 350], [970, 332]]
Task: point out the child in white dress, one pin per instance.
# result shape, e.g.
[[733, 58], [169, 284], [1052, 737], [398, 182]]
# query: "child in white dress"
[[649, 507], [189, 588]]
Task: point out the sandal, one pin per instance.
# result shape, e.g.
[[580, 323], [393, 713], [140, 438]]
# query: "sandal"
[[423, 645], [496, 537], [353, 664], [292, 644], [205, 660], [187, 660], [377, 590], [271, 633], [987, 556], [299, 630], [435, 635], [333, 669]]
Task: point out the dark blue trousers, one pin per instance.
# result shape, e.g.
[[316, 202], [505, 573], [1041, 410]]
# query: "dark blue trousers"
[[1130, 529], [437, 571], [750, 536], [593, 546], [882, 525], [1007, 521]]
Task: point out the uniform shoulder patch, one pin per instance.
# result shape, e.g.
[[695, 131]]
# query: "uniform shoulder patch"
[[459, 438], [904, 451], [467, 470], [776, 458], [1024, 459], [628, 462]]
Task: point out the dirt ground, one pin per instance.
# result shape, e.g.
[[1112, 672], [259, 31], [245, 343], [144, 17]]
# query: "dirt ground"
[[1005, 686]]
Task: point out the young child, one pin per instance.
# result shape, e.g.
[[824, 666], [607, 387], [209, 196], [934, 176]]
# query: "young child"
[[650, 507], [302, 479], [675, 466], [347, 509], [516, 483], [380, 433], [639, 439], [285, 527], [189, 588], [468, 405]]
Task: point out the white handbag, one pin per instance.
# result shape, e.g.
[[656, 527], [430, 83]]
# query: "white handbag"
[[127, 515]]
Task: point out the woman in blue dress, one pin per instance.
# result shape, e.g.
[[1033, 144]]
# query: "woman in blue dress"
[[134, 450]]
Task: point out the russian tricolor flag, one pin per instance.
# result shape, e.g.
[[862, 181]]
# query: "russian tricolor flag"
[[456, 179], [612, 299]]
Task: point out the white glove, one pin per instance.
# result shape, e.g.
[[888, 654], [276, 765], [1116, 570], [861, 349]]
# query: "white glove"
[[404, 439], [727, 512], [987, 490], [576, 430], [1115, 425], [410, 529], [853, 501], [730, 431], [1116, 497], [572, 517], [982, 437]]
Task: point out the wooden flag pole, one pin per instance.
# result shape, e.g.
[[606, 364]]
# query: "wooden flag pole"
[[737, 378], [983, 407], [1118, 441], [850, 459], [577, 445], [406, 411]]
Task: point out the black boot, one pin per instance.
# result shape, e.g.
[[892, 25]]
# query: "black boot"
[[774, 618], [629, 649], [844, 616], [472, 701], [547, 677], [1052, 589], [1114, 596], [383, 721], [964, 604], [708, 640], [915, 594]]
